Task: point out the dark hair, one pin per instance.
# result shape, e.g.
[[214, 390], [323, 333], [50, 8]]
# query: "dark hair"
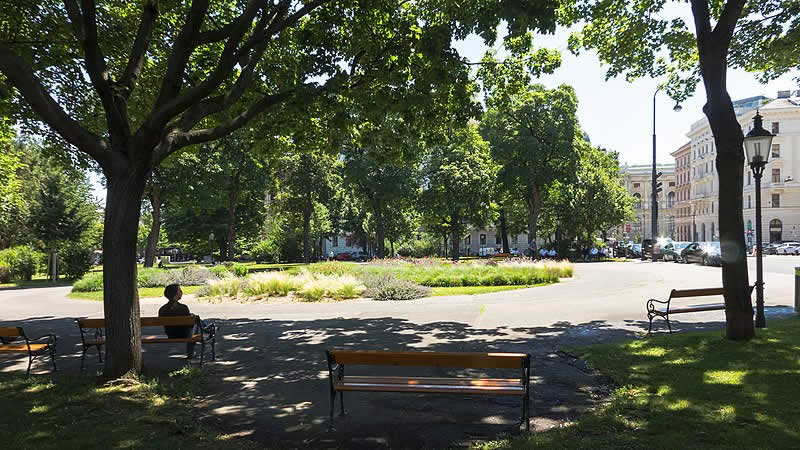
[[171, 290]]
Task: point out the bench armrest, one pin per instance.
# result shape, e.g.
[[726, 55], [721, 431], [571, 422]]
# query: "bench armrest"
[[49, 339], [209, 329], [651, 304]]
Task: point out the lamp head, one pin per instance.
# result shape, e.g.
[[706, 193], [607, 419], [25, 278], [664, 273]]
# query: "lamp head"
[[758, 143], [677, 107]]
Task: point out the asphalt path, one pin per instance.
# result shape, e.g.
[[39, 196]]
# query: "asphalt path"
[[270, 379]]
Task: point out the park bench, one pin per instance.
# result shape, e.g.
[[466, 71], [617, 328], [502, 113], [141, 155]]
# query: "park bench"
[[518, 386], [14, 340], [654, 311], [93, 334]]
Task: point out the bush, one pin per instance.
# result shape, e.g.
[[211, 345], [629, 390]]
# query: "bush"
[[5, 272], [240, 270], [188, 276], [266, 250], [271, 284], [220, 271], [193, 275], [313, 287], [230, 286], [22, 262], [386, 287], [90, 283], [75, 261]]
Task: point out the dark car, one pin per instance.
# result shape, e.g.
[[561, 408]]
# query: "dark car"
[[672, 251], [705, 253], [647, 248], [619, 250], [635, 251]]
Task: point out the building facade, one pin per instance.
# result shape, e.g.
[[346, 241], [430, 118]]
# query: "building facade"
[[637, 180], [780, 192], [683, 192]]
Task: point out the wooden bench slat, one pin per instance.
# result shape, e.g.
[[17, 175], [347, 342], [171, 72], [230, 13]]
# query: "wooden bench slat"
[[414, 381], [683, 293], [430, 359], [21, 348], [431, 388], [153, 339], [145, 321], [10, 331], [690, 309]]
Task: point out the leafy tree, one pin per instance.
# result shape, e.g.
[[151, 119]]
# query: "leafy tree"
[[455, 176], [130, 83], [531, 131], [639, 38], [13, 204]]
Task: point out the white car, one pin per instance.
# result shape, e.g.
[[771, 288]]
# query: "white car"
[[789, 248]]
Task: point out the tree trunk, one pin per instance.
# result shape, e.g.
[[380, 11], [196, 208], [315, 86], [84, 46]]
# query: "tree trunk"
[[380, 247], [728, 139], [391, 246], [444, 238], [534, 207], [155, 228], [307, 232], [504, 231], [120, 294], [233, 200], [455, 235]]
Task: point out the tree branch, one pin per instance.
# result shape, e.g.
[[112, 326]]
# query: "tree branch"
[[723, 31], [140, 46], [21, 76]]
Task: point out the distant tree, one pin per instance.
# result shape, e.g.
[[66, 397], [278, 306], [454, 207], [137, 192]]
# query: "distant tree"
[[13, 202], [455, 176]]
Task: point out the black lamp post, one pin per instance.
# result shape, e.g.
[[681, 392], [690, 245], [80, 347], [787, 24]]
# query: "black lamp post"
[[654, 193], [757, 146]]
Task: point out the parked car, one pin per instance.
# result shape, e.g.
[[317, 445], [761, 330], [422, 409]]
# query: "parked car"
[[788, 248], [515, 252], [672, 251], [487, 251], [635, 251], [771, 249], [619, 249], [343, 256], [359, 256], [705, 253]]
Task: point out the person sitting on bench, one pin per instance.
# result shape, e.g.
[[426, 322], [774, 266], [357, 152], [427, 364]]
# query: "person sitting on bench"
[[172, 308]]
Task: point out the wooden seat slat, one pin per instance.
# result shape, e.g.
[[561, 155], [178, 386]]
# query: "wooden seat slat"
[[414, 381], [163, 339], [21, 348], [145, 321], [683, 293], [431, 388], [10, 332], [701, 308], [430, 359]]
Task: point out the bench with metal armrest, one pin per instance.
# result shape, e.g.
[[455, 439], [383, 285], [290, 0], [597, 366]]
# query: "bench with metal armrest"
[[654, 310], [93, 334], [14, 340], [516, 386]]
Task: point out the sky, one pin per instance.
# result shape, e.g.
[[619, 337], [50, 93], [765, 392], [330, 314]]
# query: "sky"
[[618, 115]]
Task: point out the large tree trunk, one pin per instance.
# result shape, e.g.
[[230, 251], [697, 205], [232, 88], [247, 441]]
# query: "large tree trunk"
[[380, 247], [504, 231], [455, 235], [155, 228], [728, 138], [233, 200], [307, 231], [120, 294], [534, 207]]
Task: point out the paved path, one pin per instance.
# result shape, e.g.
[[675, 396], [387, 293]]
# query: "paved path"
[[270, 381]]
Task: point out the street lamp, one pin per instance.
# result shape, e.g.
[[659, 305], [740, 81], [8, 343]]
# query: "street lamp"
[[757, 146], [654, 201]]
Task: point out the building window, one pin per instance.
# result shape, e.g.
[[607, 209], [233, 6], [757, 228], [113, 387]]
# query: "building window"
[[776, 150], [672, 183], [776, 200], [635, 185], [776, 175], [336, 241], [637, 201], [776, 128], [497, 240], [483, 239], [749, 205], [748, 178]]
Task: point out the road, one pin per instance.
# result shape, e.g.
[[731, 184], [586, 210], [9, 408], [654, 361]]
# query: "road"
[[270, 381]]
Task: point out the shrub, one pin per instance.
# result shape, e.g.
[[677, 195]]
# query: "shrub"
[[92, 282], [152, 277], [188, 276], [266, 250], [240, 270], [230, 286], [193, 275], [387, 287], [22, 262], [75, 260], [220, 271], [271, 284], [5, 272], [313, 287]]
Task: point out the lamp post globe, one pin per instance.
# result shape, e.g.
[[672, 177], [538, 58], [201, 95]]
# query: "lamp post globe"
[[757, 147]]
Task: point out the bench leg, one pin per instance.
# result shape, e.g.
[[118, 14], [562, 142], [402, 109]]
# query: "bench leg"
[[330, 419], [202, 352], [83, 357], [668, 324], [213, 350], [650, 329], [30, 363], [53, 358], [341, 403], [100, 353]]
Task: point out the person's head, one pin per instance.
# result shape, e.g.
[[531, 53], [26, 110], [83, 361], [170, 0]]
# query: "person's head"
[[173, 292]]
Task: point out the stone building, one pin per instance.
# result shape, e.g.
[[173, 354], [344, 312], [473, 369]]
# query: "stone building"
[[637, 180], [683, 192]]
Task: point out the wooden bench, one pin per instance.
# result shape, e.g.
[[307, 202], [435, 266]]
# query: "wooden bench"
[[202, 334], [654, 311], [14, 340], [518, 386]]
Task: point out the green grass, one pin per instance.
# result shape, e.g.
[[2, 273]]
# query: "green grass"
[[143, 293], [37, 281], [472, 290], [57, 412], [691, 390]]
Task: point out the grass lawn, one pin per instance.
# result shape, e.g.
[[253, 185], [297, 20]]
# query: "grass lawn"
[[143, 293], [38, 281], [691, 390], [46, 412], [472, 290]]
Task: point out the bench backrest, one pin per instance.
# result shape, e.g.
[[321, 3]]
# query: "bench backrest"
[[683, 293], [11, 332], [429, 359], [145, 321]]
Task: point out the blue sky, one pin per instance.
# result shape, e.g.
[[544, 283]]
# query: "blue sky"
[[618, 115]]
